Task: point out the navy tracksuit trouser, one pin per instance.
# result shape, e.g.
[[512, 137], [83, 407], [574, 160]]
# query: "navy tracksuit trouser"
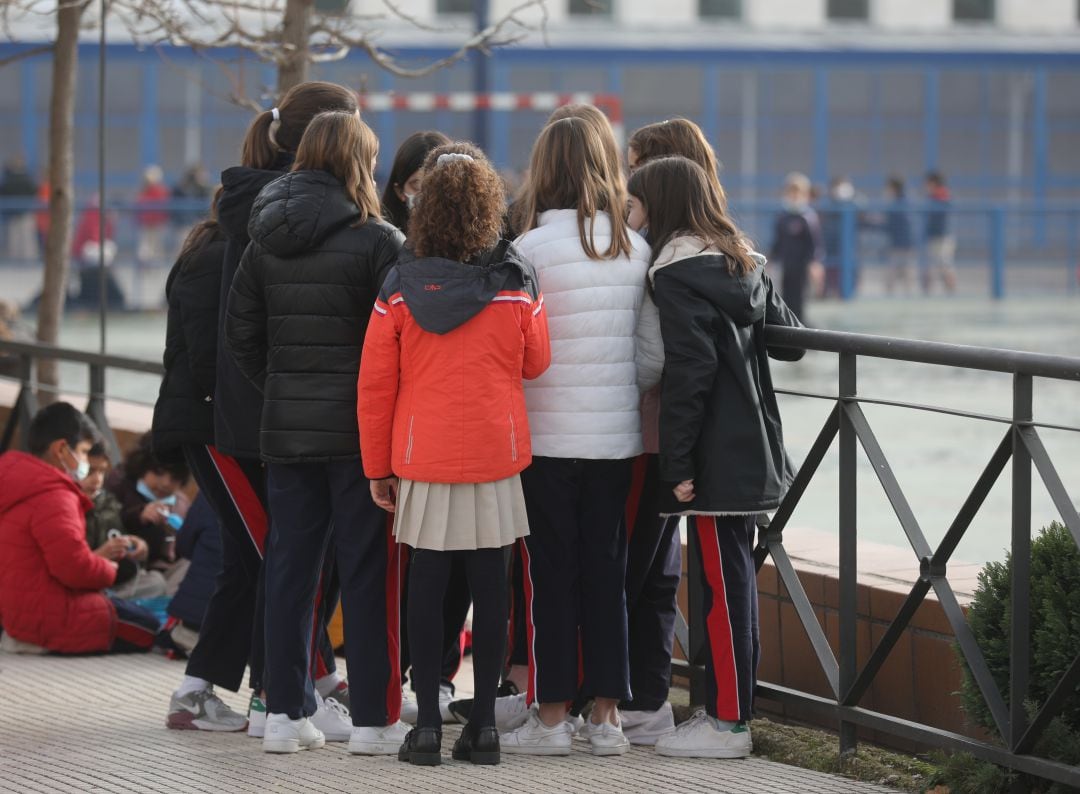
[[653, 573], [574, 562], [725, 546], [314, 505], [231, 635]]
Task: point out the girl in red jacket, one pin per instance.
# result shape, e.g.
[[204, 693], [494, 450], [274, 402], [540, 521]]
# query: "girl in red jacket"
[[459, 322]]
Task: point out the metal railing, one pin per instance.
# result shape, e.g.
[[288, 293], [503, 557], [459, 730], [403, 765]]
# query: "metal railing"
[[26, 404], [848, 425]]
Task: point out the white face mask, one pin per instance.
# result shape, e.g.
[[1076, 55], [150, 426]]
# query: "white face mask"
[[82, 467], [410, 200]]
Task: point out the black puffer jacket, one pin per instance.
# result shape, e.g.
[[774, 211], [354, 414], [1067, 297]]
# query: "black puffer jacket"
[[184, 413], [719, 421], [237, 404], [298, 311]]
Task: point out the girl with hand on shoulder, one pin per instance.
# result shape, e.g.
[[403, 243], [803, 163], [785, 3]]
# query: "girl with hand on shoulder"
[[459, 323], [721, 444]]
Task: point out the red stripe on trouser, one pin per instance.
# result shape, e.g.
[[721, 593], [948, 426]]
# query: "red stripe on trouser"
[[393, 622], [633, 500], [530, 696], [243, 496], [134, 634], [718, 622]]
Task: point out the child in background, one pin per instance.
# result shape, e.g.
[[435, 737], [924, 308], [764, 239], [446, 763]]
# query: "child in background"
[[51, 584], [897, 226], [797, 241], [940, 242], [152, 505], [721, 444], [104, 533]]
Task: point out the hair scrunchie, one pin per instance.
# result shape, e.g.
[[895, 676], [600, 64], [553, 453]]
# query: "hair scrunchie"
[[276, 114], [275, 125], [452, 157]]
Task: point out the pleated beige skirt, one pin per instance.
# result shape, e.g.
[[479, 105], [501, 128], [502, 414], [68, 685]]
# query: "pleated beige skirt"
[[460, 516]]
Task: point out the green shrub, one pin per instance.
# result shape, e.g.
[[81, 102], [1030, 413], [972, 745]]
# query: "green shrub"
[[1055, 624], [1055, 643]]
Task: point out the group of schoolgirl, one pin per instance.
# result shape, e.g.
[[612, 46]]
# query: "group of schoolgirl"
[[431, 384]]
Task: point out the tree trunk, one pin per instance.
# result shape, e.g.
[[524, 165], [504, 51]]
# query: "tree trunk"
[[61, 189], [293, 69]]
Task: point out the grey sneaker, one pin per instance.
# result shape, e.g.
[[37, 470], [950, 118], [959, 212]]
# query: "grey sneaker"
[[203, 711]]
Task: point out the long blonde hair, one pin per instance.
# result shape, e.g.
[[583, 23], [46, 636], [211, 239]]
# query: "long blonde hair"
[[341, 144], [570, 169]]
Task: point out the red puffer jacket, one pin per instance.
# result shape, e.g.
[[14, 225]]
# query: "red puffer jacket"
[[440, 396], [50, 581]]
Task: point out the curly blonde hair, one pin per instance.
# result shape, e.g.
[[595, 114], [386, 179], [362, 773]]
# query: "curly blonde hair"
[[460, 210]]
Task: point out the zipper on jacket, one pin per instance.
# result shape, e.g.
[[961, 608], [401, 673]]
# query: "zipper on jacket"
[[408, 447], [513, 438]]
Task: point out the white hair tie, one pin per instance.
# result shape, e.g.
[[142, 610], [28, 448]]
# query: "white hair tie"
[[451, 157], [276, 114]]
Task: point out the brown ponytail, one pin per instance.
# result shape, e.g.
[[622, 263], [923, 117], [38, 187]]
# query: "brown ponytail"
[[266, 137]]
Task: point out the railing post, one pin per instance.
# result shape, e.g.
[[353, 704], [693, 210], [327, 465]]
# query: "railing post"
[[1020, 639], [996, 218], [847, 658], [95, 409], [1072, 258], [24, 408], [848, 243]]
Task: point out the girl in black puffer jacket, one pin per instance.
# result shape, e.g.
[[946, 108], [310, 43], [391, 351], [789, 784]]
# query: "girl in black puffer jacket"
[[295, 324]]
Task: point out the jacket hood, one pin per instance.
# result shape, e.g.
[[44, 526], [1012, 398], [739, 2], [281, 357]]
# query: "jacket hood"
[[240, 186], [443, 294], [742, 298], [26, 476], [298, 211]]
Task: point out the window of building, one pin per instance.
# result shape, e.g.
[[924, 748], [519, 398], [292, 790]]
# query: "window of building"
[[331, 8], [974, 10], [591, 8], [454, 6], [848, 10], [720, 9]]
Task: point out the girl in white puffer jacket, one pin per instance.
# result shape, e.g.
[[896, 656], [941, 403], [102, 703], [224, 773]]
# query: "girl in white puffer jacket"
[[586, 429]]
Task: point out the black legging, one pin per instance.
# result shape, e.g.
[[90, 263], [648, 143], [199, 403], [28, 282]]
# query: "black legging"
[[486, 572]]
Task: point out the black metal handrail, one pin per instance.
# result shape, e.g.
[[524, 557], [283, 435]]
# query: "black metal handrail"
[[1022, 445], [26, 403]]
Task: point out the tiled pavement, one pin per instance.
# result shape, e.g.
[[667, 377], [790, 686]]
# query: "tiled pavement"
[[96, 724]]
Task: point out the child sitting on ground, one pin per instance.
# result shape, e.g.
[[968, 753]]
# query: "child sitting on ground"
[[152, 506], [51, 583], [105, 535]]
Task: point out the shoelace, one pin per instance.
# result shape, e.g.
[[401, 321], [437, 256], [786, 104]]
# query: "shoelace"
[[334, 704], [699, 716]]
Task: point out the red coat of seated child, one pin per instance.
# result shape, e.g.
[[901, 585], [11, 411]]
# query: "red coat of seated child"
[[50, 580]]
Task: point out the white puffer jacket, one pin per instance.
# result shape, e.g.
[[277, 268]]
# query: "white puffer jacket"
[[587, 403]]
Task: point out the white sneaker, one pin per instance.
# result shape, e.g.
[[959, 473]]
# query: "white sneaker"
[[700, 737], [378, 741], [511, 712], [605, 738], [536, 738], [256, 716], [446, 697], [288, 736], [333, 719], [645, 727], [409, 710], [576, 723]]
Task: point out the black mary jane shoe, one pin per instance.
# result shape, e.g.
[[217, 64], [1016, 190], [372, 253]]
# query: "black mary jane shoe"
[[478, 745], [422, 747]]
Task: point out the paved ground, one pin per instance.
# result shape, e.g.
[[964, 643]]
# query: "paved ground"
[[96, 724]]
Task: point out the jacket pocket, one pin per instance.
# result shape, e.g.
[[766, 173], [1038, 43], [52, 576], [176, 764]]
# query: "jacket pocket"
[[513, 438], [409, 444]]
